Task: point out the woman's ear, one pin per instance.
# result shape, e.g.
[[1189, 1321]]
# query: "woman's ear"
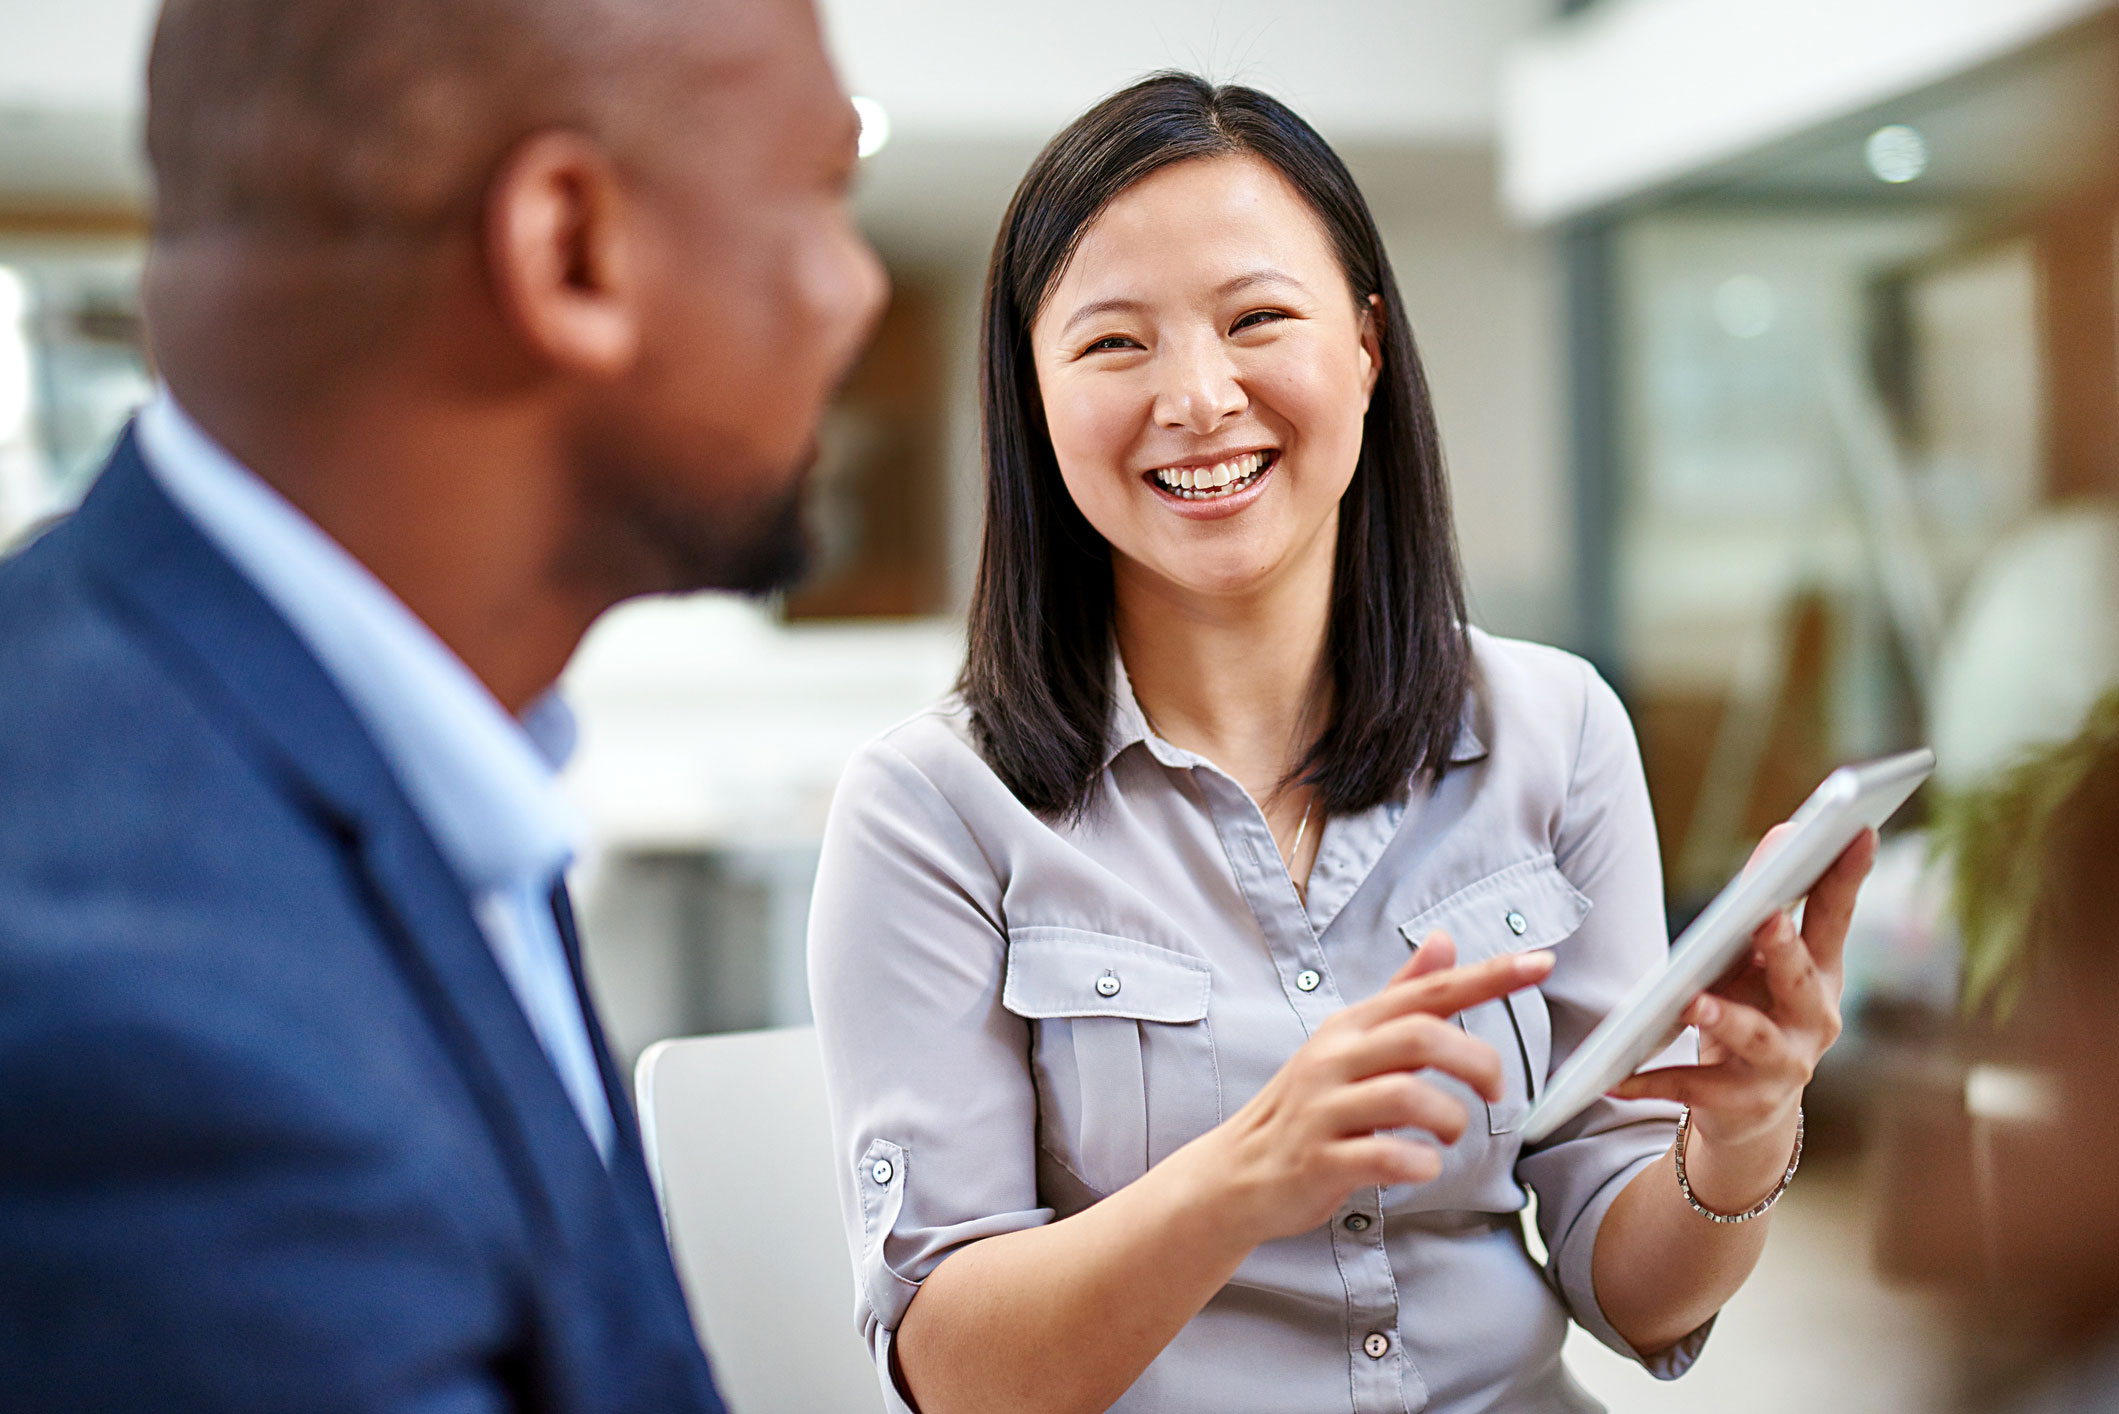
[[1371, 344]]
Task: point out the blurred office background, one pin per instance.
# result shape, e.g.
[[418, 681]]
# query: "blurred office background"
[[1776, 349]]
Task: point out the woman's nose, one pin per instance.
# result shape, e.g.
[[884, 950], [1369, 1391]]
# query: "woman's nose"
[[1198, 389]]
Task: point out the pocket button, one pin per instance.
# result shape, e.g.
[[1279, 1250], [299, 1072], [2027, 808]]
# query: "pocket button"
[[1517, 923], [1107, 985]]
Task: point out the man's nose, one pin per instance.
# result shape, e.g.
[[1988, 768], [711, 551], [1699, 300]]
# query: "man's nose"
[[1197, 388], [870, 289]]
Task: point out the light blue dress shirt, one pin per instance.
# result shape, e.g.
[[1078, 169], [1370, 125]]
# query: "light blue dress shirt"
[[481, 781]]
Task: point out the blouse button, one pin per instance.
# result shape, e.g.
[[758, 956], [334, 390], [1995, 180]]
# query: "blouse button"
[[1517, 923], [1357, 1222], [883, 1172], [1308, 979], [1107, 985], [1376, 1346]]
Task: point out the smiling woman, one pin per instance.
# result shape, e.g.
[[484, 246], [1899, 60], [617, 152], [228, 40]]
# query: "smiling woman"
[[1208, 237], [1163, 975]]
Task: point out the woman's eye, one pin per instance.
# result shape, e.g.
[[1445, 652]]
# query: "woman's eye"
[[1258, 317], [1113, 341]]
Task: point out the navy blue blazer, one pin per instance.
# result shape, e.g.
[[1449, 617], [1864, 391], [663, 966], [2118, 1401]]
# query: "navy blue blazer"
[[274, 1133]]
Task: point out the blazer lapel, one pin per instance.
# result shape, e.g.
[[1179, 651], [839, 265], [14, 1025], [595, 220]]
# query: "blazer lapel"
[[615, 1090], [628, 1157], [228, 642]]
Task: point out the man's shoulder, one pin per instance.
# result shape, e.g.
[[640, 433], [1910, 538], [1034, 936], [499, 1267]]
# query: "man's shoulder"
[[116, 768], [170, 906], [79, 678]]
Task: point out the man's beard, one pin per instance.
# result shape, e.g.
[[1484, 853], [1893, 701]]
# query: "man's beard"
[[754, 550], [666, 543]]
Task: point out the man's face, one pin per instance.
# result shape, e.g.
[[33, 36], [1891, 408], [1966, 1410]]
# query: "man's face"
[[762, 294]]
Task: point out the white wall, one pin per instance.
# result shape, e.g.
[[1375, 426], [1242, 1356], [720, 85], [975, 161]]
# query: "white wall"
[[1485, 302], [1404, 70], [1362, 68], [74, 55], [70, 76], [1397, 70]]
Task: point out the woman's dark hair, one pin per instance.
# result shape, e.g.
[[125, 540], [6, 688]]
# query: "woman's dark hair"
[[1037, 676]]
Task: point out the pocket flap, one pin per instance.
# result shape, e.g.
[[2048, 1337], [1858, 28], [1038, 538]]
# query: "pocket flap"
[[1527, 905], [1055, 972]]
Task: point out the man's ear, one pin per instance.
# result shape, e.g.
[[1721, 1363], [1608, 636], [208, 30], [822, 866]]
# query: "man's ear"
[[560, 239], [1371, 344]]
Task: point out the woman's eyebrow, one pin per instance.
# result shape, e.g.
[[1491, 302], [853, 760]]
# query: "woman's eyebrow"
[[1121, 304], [1117, 304], [1262, 275]]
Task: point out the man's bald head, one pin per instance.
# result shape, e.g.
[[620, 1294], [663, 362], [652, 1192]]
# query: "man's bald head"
[[334, 119], [601, 249]]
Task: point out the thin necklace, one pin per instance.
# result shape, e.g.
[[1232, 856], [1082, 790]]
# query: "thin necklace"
[[1287, 861], [1296, 848]]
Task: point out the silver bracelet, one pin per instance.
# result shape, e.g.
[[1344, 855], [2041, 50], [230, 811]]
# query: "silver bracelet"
[[1685, 1184]]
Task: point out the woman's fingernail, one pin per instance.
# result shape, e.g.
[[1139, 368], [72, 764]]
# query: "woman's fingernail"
[[1533, 961], [1710, 1011]]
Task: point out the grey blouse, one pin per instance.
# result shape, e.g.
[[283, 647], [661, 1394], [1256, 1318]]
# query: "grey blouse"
[[1019, 1017]]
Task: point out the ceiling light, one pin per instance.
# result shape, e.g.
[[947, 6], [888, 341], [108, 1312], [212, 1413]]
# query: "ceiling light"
[[1745, 306], [1897, 154], [875, 125]]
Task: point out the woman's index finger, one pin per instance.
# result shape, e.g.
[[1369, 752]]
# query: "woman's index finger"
[[1437, 952], [1447, 992]]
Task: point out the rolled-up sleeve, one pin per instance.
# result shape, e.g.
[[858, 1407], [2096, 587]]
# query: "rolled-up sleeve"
[[1607, 849], [933, 1105]]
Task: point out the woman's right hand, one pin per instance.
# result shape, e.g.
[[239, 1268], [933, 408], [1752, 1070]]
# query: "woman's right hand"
[[1287, 1160]]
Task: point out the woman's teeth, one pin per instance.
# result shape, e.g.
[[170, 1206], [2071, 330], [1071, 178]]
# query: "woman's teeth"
[[1198, 483]]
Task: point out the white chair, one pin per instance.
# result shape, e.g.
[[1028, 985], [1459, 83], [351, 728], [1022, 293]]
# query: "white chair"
[[740, 1148]]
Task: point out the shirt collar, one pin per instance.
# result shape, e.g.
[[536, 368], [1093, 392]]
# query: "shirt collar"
[[1128, 725], [481, 781]]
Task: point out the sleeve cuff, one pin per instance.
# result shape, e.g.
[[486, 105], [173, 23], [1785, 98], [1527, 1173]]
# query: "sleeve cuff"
[[894, 1401], [1574, 1271]]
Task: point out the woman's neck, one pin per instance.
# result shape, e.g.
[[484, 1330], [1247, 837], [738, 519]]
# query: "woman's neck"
[[1237, 679]]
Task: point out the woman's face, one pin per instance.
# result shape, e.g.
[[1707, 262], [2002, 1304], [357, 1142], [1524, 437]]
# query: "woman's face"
[[1205, 371]]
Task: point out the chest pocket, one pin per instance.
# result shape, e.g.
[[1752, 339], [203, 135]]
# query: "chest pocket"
[[1122, 1053], [1527, 905]]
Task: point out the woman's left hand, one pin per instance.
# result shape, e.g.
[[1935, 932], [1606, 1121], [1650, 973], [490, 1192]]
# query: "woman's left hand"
[[1764, 1028]]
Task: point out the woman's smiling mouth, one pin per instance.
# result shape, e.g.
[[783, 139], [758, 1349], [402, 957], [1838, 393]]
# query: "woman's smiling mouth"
[[1215, 481]]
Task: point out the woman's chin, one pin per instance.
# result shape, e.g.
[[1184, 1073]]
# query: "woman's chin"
[[1226, 576]]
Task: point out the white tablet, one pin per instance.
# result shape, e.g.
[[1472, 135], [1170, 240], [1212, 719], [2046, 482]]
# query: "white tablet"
[[1852, 799]]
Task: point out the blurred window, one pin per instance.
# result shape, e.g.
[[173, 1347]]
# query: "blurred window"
[[1851, 371], [73, 366]]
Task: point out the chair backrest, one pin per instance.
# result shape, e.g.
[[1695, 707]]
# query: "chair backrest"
[[740, 1146]]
